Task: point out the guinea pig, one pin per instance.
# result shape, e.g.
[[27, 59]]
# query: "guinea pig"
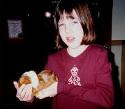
[[38, 81]]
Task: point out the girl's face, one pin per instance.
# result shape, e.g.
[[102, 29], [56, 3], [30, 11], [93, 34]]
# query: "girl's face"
[[70, 29]]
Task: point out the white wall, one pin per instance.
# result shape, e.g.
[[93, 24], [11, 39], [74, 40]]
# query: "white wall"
[[117, 51], [118, 20]]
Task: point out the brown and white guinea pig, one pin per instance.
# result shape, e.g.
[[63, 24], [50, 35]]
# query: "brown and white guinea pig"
[[38, 81]]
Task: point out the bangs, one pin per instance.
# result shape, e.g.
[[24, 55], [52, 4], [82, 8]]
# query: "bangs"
[[60, 13], [65, 6], [68, 15]]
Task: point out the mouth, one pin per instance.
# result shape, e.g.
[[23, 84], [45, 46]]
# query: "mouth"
[[70, 39]]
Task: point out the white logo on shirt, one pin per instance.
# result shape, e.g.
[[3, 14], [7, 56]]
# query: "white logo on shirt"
[[74, 79]]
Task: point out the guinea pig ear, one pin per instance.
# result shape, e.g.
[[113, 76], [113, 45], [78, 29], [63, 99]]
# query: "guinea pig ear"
[[24, 80]]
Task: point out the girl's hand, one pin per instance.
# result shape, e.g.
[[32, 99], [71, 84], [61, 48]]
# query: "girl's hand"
[[24, 93], [50, 91]]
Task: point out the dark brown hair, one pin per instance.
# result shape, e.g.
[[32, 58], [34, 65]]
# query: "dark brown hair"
[[82, 10]]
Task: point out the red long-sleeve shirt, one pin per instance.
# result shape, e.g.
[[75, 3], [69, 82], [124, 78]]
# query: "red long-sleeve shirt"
[[85, 81]]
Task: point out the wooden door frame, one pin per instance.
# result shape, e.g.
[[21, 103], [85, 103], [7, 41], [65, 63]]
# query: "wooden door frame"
[[122, 43]]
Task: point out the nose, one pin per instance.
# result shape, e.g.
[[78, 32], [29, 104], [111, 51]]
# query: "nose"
[[67, 28]]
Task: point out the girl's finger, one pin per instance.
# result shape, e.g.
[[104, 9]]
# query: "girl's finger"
[[20, 89], [26, 91], [16, 85]]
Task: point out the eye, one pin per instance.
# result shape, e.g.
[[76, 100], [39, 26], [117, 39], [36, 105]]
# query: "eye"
[[75, 22], [60, 25]]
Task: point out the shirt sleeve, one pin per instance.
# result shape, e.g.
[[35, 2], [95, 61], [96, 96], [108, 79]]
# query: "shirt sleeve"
[[103, 93], [50, 63]]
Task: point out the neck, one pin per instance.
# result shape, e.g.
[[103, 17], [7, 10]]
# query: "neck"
[[74, 52]]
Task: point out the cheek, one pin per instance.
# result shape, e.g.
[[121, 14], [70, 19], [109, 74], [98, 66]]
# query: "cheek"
[[78, 30], [79, 33], [62, 34]]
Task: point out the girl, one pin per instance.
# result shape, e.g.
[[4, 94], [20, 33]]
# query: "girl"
[[83, 68]]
